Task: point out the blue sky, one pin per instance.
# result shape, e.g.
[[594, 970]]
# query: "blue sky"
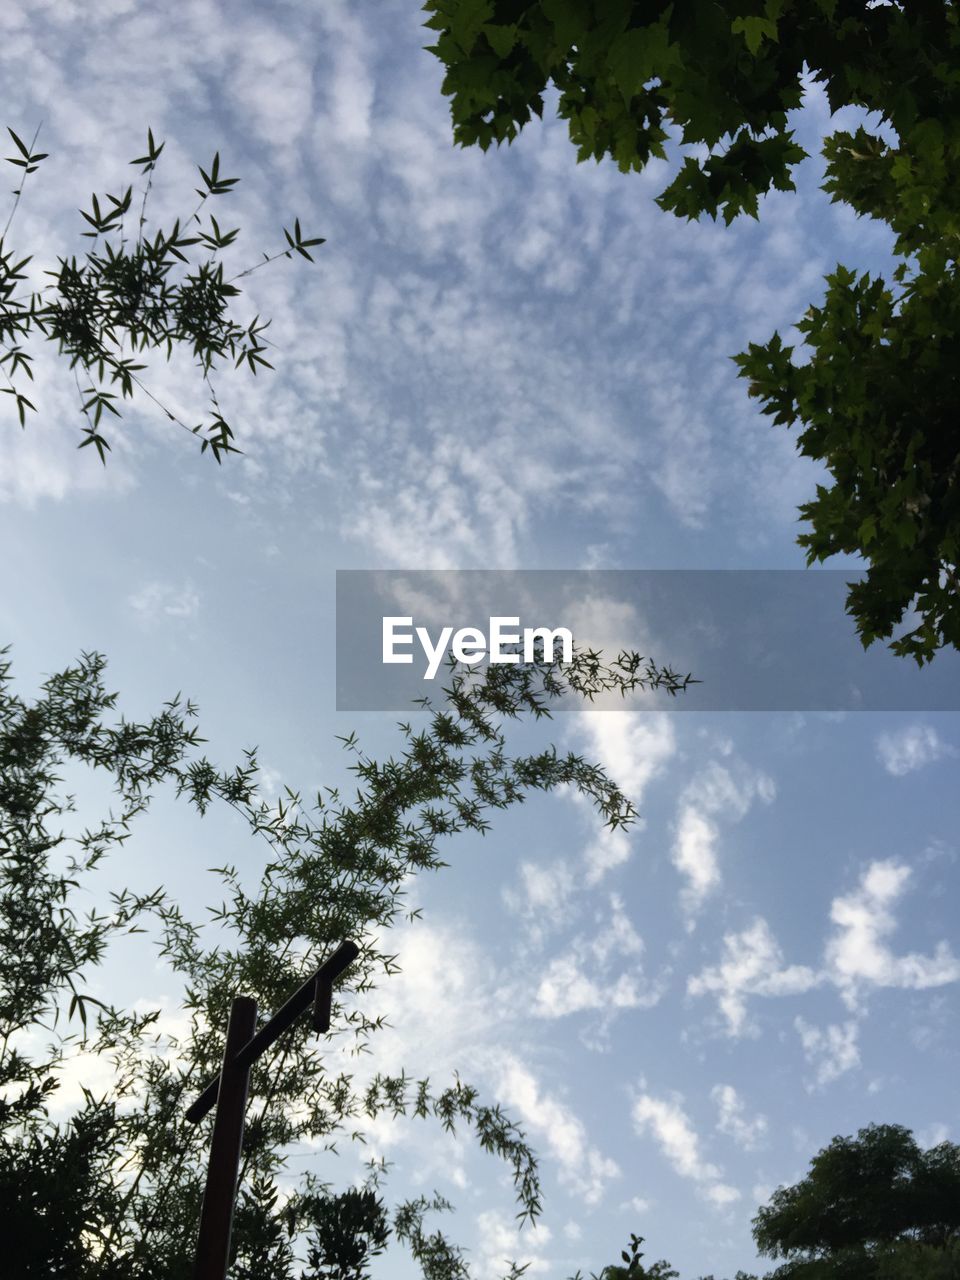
[[499, 361]]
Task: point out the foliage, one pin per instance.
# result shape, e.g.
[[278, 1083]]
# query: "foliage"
[[910, 1260], [119, 1184], [741, 1275], [630, 75], [631, 1268], [348, 1229], [871, 1207], [715, 81], [54, 1187], [878, 401], [130, 293]]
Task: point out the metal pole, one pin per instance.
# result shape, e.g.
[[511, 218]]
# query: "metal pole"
[[216, 1216]]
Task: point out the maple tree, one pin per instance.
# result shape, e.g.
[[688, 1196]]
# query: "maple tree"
[[713, 82]]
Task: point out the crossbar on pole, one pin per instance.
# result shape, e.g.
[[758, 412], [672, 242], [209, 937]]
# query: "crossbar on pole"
[[310, 993]]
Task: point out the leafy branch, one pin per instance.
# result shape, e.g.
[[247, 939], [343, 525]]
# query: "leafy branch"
[[119, 299]]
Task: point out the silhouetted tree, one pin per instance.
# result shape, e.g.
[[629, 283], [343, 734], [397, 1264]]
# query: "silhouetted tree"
[[871, 1207], [113, 1192]]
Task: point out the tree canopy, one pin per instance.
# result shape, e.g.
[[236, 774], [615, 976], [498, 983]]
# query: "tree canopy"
[[872, 1207], [713, 82]]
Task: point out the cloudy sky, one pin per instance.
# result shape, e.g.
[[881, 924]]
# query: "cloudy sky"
[[499, 361]]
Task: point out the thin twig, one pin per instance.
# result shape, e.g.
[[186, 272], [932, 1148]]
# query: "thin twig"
[[20, 188]]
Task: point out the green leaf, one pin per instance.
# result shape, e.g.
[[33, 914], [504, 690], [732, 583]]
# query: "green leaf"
[[502, 38], [21, 147], [639, 55], [754, 30]]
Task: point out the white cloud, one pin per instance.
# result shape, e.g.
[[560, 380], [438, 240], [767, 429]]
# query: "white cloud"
[[637, 1204], [565, 988], [694, 855], [670, 1126], [933, 1134], [608, 849], [350, 89], [832, 1050], [40, 462], [719, 791], [857, 955], [442, 969], [81, 1069], [634, 748], [616, 935], [501, 1242], [752, 965], [544, 895], [609, 624], [272, 82], [732, 1120], [730, 791], [461, 983], [721, 1194], [582, 1167], [581, 979], [158, 600], [911, 748]]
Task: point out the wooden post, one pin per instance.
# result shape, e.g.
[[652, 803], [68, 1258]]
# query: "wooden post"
[[216, 1216], [228, 1093]]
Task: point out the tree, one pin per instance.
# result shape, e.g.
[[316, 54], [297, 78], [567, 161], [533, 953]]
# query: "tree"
[[874, 1207], [130, 293], [878, 397], [113, 1193]]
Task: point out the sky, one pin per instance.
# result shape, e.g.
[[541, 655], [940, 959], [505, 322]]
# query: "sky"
[[500, 361]]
